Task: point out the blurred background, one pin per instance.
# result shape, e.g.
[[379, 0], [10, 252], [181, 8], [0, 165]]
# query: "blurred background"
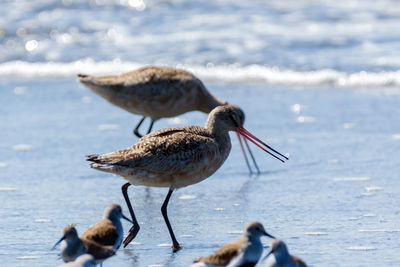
[[343, 42]]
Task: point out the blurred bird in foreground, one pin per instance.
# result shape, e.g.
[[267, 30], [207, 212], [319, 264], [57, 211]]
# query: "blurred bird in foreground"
[[85, 260], [72, 247], [109, 231], [245, 251], [279, 256]]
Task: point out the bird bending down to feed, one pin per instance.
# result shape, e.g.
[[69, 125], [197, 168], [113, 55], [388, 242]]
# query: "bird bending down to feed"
[[109, 231], [158, 92], [177, 157], [245, 251], [154, 92], [279, 256], [72, 247], [85, 260]]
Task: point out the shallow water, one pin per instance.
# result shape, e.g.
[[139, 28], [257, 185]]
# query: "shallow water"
[[335, 202]]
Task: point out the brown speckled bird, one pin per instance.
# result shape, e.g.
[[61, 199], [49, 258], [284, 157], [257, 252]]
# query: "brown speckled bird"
[[108, 231], [176, 157], [245, 251], [72, 247], [154, 92], [279, 256]]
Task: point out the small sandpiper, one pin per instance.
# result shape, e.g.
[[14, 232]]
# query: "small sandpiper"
[[245, 251], [72, 247], [279, 256], [85, 260], [108, 231]]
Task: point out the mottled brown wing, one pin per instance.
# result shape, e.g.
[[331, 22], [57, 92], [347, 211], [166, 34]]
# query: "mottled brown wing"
[[97, 251], [300, 263], [102, 232], [222, 256], [166, 151]]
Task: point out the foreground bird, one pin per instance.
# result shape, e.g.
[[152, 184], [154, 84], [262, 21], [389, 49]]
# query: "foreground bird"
[[279, 256], [154, 92], [109, 231], [176, 157], [85, 260], [72, 247], [245, 251]]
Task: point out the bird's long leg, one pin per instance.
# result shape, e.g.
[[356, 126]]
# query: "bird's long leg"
[[136, 131], [135, 228], [175, 244], [151, 126], [251, 155]]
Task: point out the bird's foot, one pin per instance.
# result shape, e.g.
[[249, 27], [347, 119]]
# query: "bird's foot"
[[131, 235], [176, 247]]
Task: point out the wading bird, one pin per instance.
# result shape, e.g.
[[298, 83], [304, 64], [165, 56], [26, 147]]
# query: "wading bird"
[[245, 251], [279, 256], [177, 157], [72, 247], [109, 231]]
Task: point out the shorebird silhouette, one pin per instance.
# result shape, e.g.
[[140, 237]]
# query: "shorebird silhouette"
[[279, 256], [109, 231], [72, 247], [177, 157], [245, 251]]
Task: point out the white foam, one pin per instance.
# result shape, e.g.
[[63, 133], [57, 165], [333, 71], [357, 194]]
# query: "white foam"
[[379, 231], [361, 248], [164, 245], [187, 197], [351, 179], [315, 233], [305, 119], [7, 189], [396, 137], [108, 127], [369, 215], [373, 188], [19, 90], [42, 220], [177, 121], [348, 125], [237, 232], [3, 164], [227, 73], [86, 100], [219, 209], [22, 147], [32, 257]]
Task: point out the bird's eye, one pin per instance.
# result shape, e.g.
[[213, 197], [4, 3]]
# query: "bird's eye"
[[234, 121]]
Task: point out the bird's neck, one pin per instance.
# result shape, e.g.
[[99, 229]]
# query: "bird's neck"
[[209, 102]]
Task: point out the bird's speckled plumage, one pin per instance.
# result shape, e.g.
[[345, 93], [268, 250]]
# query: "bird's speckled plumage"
[[155, 92], [72, 246], [175, 157], [243, 252], [108, 231], [280, 257]]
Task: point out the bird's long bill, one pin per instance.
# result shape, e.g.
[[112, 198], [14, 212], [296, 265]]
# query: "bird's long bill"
[[269, 253], [58, 242], [247, 135], [126, 218], [270, 236]]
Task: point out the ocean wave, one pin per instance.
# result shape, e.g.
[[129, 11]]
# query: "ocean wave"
[[210, 72]]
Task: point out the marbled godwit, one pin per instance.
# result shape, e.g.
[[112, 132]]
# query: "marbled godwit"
[[157, 92], [72, 246], [85, 260], [154, 92], [109, 231], [176, 157], [279, 256], [245, 251]]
